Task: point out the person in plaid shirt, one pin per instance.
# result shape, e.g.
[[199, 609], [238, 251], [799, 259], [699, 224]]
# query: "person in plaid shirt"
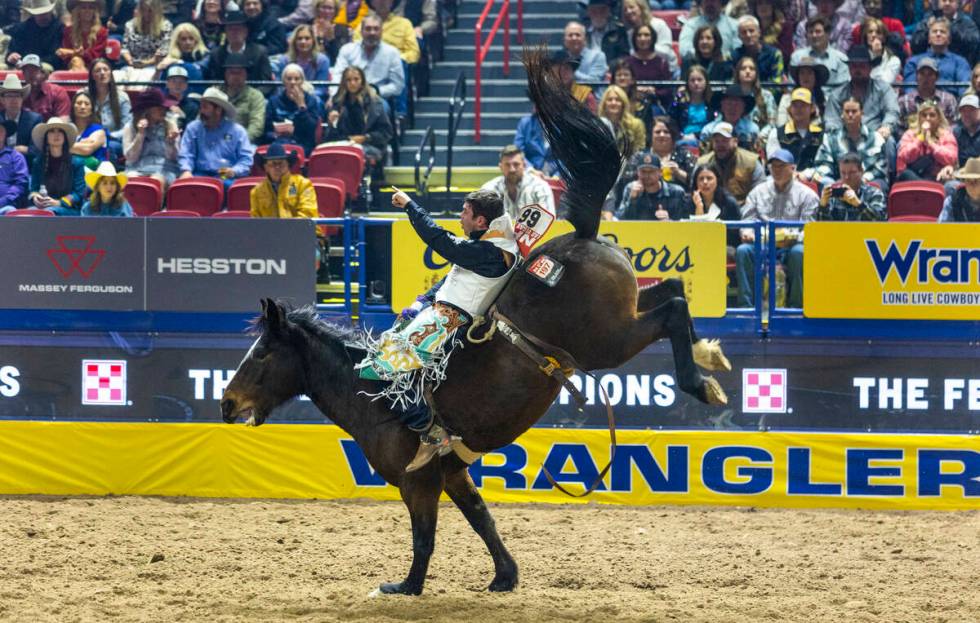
[[851, 199], [853, 136]]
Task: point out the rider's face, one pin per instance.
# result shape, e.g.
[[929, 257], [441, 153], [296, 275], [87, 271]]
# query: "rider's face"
[[469, 222]]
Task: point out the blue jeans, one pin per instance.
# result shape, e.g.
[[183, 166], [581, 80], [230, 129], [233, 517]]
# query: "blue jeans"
[[791, 258]]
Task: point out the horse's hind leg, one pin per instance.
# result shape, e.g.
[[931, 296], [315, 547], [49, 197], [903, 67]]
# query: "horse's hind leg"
[[460, 488], [420, 492], [707, 353]]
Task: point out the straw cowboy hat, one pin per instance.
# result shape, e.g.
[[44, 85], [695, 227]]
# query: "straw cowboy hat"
[[105, 170], [54, 123], [37, 7], [970, 170], [13, 84], [216, 96]]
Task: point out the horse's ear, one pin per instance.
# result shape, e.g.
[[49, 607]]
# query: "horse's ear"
[[275, 316]]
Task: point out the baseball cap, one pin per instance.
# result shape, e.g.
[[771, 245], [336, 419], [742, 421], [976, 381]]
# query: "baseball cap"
[[783, 155], [724, 128], [927, 63], [970, 100], [29, 60], [801, 95], [646, 159], [175, 71]]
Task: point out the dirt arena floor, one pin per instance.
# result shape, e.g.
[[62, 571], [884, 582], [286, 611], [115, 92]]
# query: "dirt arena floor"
[[92, 559]]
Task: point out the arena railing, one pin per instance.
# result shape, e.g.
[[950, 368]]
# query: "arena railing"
[[480, 53], [422, 179], [457, 103]]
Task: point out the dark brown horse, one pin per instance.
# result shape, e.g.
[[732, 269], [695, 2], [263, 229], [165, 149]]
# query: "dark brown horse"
[[492, 392]]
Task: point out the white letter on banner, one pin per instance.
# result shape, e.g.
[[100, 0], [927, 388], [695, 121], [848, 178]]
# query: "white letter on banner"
[[954, 391], [219, 381], [663, 385], [166, 265], [892, 394], [638, 390], [9, 385], [613, 387], [974, 394], [199, 377], [864, 385], [915, 392]]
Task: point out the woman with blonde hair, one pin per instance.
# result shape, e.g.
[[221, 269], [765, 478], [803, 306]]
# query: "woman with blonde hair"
[[330, 35], [187, 49], [929, 148], [107, 198], [304, 50], [614, 108], [85, 40], [148, 35]]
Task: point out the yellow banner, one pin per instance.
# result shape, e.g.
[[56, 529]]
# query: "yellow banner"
[[926, 271], [939, 472], [694, 252]]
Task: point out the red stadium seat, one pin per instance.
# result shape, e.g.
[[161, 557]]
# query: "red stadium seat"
[[812, 186], [144, 194], [232, 214], [329, 199], [920, 198], [677, 50], [30, 212], [58, 77], [113, 50], [673, 20], [16, 72], [203, 195], [297, 166], [911, 218], [557, 189], [340, 162], [178, 213], [238, 193]]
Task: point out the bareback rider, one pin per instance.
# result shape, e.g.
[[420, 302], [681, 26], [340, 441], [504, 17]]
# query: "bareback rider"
[[413, 354]]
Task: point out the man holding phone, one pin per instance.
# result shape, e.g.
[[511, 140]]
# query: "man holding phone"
[[851, 199]]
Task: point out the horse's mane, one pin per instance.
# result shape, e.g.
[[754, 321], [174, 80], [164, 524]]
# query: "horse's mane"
[[588, 159], [308, 319]]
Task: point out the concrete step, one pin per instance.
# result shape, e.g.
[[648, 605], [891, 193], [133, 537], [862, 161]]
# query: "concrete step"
[[496, 137], [519, 105], [532, 36], [467, 22], [442, 88], [488, 120]]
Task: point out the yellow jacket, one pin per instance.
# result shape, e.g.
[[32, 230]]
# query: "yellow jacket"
[[398, 32], [296, 199], [355, 23]]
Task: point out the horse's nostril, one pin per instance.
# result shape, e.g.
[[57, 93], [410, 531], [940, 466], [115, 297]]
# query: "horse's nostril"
[[227, 406]]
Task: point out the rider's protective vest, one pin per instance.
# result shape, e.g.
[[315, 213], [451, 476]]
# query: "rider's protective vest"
[[474, 293]]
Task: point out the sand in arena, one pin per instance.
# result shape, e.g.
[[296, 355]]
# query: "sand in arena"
[[88, 559]]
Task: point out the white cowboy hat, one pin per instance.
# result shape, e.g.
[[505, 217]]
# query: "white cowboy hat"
[[105, 170], [38, 7], [217, 97], [970, 170], [54, 123], [11, 83]]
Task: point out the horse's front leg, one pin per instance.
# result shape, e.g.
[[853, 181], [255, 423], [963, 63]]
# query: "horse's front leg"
[[461, 490], [707, 353], [420, 491]]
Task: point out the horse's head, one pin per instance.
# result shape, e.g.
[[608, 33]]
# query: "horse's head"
[[271, 373]]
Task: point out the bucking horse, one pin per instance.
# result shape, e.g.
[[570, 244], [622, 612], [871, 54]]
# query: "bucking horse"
[[595, 314]]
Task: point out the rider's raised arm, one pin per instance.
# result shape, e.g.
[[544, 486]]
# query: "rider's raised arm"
[[480, 256]]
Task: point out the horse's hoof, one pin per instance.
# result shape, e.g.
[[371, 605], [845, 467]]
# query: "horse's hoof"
[[713, 393], [708, 355], [399, 588], [503, 584]]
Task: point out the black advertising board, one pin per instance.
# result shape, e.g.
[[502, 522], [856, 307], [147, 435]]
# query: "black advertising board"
[[811, 384], [156, 264]]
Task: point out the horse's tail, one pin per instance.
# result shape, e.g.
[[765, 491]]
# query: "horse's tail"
[[588, 158]]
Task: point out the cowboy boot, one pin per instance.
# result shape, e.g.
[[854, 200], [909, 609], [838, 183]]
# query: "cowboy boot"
[[434, 442]]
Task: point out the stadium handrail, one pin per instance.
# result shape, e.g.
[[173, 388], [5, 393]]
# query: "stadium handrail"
[[422, 181], [480, 53], [457, 103]]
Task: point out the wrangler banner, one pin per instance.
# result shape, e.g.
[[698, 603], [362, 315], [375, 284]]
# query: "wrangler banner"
[[694, 252], [938, 472], [923, 271]]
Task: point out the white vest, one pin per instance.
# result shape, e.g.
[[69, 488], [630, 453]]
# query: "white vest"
[[474, 293]]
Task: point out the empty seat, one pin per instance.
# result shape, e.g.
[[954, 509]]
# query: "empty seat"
[[919, 198], [344, 163], [203, 195], [329, 199], [30, 212], [296, 167], [62, 76], [144, 194], [178, 213], [238, 193]]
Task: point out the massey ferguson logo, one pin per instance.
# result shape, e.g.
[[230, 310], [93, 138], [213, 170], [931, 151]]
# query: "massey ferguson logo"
[[76, 253]]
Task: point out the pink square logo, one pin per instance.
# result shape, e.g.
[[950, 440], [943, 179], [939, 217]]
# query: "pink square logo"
[[104, 382], [764, 390]]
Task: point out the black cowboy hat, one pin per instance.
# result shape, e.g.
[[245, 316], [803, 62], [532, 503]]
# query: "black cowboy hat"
[[859, 54], [562, 57], [235, 59], [234, 15], [821, 71], [733, 90], [277, 151]]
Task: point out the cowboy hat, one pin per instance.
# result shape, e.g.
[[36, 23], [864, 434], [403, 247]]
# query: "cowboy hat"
[[37, 7], [150, 98], [54, 123], [970, 170], [216, 96], [13, 84], [106, 169], [562, 57], [821, 71], [277, 151], [733, 90]]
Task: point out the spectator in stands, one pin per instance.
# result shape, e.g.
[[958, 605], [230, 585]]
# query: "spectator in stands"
[[357, 114], [179, 11], [734, 106], [777, 31], [975, 80], [564, 68], [952, 67], [801, 135], [303, 51], [12, 92], [648, 64], [91, 140], [852, 135], [710, 14], [263, 27], [214, 145], [838, 32], [690, 108], [112, 106], [46, 99], [117, 13], [740, 168], [182, 108], [708, 53], [605, 34], [636, 13], [150, 139], [643, 101], [895, 38], [878, 100], [852, 198], [85, 39], [107, 198], [187, 50], [592, 65], [39, 35], [380, 62], [927, 147], [293, 113], [282, 194], [768, 59], [764, 110], [964, 35], [61, 174], [396, 31], [629, 131], [885, 64], [780, 198], [236, 42], [649, 198], [300, 12], [963, 206], [967, 133], [146, 41], [517, 186], [250, 104], [423, 14], [817, 33], [210, 22], [810, 75], [14, 175], [676, 161], [708, 200], [530, 139], [908, 103], [330, 36]]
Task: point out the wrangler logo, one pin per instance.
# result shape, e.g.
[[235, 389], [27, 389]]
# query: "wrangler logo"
[[954, 266]]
